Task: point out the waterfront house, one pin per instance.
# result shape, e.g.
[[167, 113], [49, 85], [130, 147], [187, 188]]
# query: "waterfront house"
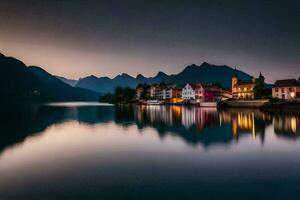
[[171, 94], [174, 94], [286, 89], [138, 92], [244, 89], [188, 92], [155, 91], [226, 94], [206, 93]]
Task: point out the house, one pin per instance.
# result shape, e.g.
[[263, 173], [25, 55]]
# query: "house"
[[286, 89], [188, 92], [244, 89], [226, 94], [205, 93], [174, 94], [170, 93], [155, 91], [138, 92]]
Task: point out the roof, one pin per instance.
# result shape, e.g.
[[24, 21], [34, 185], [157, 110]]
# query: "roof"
[[193, 86], [286, 83], [212, 88], [248, 82]]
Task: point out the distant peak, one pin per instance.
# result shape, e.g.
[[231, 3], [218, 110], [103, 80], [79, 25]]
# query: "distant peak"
[[205, 64], [125, 74], [2, 55], [91, 76], [161, 74], [139, 76]]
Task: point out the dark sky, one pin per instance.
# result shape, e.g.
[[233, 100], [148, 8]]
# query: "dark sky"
[[76, 38]]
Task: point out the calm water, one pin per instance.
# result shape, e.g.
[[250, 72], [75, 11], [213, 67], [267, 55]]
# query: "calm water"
[[92, 151]]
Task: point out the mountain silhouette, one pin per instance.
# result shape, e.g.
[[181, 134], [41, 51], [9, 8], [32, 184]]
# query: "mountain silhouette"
[[205, 73], [70, 82], [22, 83]]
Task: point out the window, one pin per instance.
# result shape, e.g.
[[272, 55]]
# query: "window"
[[276, 89], [290, 89], [282, 90]]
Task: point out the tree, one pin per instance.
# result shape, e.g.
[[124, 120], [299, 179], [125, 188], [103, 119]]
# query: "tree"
[[107, 98], [259, 89], [218, 84], [121, 95]]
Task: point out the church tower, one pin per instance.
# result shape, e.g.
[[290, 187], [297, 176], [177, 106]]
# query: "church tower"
[[234, 81]]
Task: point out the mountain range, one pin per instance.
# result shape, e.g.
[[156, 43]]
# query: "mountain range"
[[20, 83], [205, 73]]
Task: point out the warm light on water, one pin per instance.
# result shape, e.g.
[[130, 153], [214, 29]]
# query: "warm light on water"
[[148, 152]]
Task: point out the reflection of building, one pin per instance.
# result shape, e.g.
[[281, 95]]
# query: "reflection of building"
[[246, 121], [188, 92], [286, 89], [188, 117], [287, 125], [206, 117], [244, 89]]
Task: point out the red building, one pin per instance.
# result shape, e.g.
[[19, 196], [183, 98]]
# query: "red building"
[[206, 93]]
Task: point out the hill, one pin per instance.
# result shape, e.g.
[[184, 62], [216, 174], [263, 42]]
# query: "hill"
[[70, 82], [205, 73], [22, 83]]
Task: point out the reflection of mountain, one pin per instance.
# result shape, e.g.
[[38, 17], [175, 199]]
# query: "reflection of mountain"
[[19, 121], [193, 125]]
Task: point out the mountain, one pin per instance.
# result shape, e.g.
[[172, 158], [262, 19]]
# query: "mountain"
[[21, 83], [59, 90], [105, 84], [205, 73], [70, 82]]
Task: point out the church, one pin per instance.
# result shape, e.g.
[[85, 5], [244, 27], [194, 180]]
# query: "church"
[[244, 89]]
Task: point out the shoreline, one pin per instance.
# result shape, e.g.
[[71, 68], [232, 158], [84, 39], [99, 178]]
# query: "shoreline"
[[263, 105]]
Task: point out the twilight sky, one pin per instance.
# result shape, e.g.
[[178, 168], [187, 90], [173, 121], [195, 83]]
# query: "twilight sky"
[[74, 38]]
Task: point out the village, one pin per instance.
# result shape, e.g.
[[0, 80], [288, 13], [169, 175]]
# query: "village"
[[243, 93]]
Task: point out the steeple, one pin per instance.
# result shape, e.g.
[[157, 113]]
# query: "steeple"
[[261, 77], [235, 73]]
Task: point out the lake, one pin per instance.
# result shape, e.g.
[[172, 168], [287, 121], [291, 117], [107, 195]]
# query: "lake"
[[99, 151]]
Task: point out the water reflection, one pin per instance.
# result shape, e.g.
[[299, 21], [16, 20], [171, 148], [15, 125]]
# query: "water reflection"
[[101, 152], [198, 125], [206, 126]]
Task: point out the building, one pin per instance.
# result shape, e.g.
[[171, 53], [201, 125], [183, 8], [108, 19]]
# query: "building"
[[286, 89], [226, 94], [244, 89], [188, 92], [155, 91], [206, 93], [170, 93], [138, 92], [174, 94]]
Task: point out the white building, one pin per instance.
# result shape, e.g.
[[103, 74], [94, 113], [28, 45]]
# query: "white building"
[[188, 92], [155, 91], [286, 89]]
